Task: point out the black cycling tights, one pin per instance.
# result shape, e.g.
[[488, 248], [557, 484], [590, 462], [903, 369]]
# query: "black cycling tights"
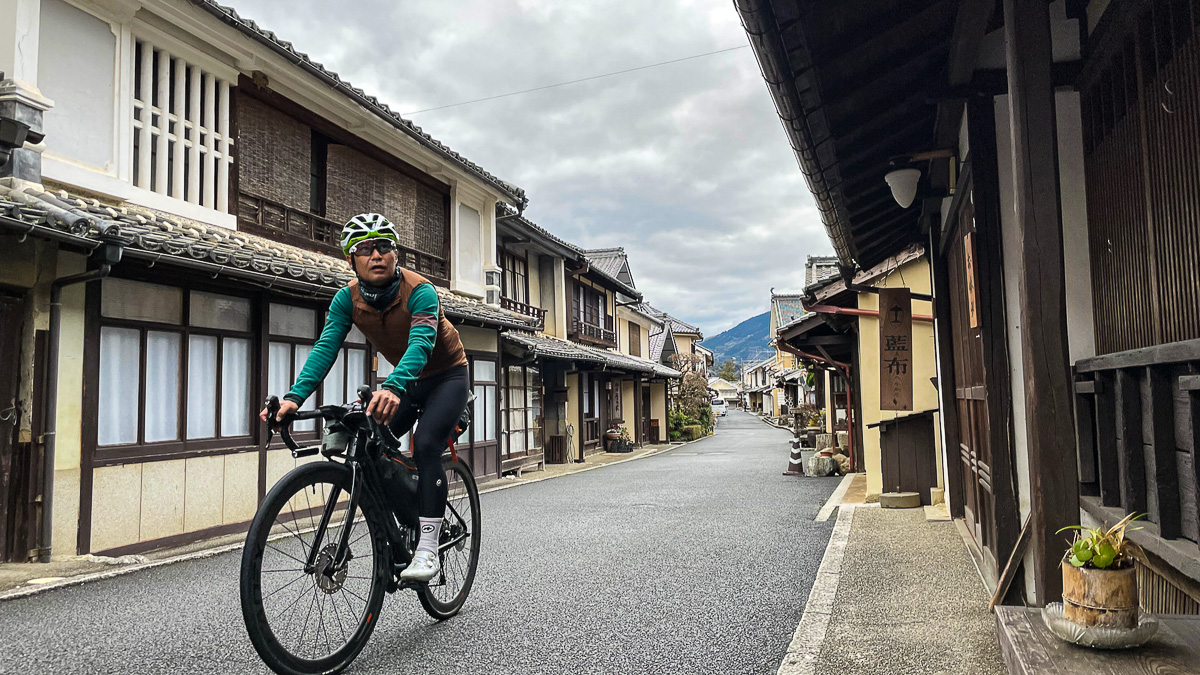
[[442, 398]]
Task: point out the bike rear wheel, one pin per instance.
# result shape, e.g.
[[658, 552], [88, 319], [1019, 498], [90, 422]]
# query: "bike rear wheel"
[[444, 595], [312, 618]]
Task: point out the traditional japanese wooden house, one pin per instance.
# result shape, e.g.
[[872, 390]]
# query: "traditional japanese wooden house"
[[1047, 154]]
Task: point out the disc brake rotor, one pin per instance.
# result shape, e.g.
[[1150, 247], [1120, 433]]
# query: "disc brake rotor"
[[330, 577]]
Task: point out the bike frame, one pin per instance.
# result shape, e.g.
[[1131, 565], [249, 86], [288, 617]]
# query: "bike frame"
[[363, 473]]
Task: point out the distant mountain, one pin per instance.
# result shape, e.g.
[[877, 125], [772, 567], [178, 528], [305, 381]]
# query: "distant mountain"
[[745, 342]]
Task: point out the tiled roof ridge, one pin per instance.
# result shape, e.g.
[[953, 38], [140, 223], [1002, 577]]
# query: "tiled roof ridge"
[[550, 345], [504, 211], [183, 239], [610, 249], [678, 323], [268, 38]]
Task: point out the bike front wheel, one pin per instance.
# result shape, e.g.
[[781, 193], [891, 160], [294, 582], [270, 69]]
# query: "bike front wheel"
[[307, 608], [458, 545]]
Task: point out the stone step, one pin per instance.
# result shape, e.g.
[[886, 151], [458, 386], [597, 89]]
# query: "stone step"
[[899, 500]]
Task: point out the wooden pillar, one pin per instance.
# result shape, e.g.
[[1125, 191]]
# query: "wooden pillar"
[[1053, 481], [944, 349]]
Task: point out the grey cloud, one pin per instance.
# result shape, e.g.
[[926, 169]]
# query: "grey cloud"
[[686, 165]]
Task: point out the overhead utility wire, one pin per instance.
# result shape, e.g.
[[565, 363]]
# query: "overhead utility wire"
[[585, 79]]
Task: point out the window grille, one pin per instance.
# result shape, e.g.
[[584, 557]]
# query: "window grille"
[[181, 137]]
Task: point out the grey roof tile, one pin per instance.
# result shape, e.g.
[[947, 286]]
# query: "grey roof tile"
[[677, 325], [150, 236], [608, 260], [552, 347]]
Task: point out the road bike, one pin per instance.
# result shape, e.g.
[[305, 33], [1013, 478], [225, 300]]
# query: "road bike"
[[331, 537]]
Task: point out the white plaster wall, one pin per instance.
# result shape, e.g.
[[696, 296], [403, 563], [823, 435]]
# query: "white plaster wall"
[[1081, 335], [468, 259], [19, 41], [478, 339], [77, 69], [68, 430]]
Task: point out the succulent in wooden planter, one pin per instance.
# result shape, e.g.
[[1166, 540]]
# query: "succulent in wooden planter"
[[1099, 576]]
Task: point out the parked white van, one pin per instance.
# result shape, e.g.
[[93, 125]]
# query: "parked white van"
[[719, 408]]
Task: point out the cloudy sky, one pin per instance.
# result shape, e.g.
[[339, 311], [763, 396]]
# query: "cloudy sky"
[[684, 165]]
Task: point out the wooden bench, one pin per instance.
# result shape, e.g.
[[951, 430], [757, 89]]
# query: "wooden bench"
[[520, 464], [1029, 647]]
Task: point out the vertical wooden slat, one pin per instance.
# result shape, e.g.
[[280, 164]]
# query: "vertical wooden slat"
[[1166, 465], [1107, 454], [223, 114], [1132, 450], [145, 93], [161, 154], [208, 178], [1085, 430], [178, 149], [193, 180]]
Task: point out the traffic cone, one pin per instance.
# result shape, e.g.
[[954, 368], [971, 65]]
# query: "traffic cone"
[[795, 462]]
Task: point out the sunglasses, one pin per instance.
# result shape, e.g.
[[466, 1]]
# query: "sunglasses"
[[366, 248]]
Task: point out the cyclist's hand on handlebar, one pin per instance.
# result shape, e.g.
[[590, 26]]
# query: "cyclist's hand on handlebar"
[[286, 408], [383, 406]]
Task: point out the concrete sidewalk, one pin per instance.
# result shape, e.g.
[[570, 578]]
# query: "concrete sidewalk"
[[23, 578], [895, 594]]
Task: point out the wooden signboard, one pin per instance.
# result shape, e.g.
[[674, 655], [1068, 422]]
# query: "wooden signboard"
[[972, 290], [895, 349]]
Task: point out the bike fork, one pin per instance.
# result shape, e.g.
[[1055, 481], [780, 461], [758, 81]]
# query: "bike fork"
[[343, 546]]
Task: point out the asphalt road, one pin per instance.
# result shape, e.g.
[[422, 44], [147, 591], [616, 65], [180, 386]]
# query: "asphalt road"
[[698, 560]]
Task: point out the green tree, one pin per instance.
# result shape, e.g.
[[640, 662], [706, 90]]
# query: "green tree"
[[728, 371]]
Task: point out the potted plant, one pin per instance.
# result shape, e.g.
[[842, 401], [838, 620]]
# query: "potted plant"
[[613, 434], [1100, 577], [624, 441]]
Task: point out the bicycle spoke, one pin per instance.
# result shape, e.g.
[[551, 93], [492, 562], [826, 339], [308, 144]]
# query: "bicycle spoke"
[[293, 602], [336, 595], [354, 594], [268, 595], [285, 553]]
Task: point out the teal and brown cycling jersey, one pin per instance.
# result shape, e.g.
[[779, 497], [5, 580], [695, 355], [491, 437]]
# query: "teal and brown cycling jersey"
[[411, 332]]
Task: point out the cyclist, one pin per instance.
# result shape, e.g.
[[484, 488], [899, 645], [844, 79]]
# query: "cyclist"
[[399, 312]]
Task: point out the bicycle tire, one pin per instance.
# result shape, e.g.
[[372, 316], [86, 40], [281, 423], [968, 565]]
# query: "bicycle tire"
[[437, 601], [258, 625]]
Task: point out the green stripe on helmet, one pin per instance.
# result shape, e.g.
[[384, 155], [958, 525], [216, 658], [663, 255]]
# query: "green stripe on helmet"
[[367, 226]]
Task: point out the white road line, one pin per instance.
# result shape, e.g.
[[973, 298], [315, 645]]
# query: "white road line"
[[801, 656], [835, 499]]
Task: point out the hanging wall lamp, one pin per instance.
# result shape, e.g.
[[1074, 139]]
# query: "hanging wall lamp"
[[903, 183], [904, 179]]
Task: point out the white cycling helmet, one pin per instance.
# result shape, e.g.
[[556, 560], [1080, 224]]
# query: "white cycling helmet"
[[367, 226]]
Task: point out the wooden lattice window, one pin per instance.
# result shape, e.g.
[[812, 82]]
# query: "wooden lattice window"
[[181, 139]]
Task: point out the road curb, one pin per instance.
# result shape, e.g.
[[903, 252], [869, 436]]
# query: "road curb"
[[26, 591], [807, 640], [593, 468], [79, 579], [835, 499]]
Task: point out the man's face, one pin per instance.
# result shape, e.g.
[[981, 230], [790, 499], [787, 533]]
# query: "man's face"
[[374, 260]]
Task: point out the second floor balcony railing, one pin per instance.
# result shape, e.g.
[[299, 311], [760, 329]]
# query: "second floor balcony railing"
[[604, 336], [527, 310], [269, 218]]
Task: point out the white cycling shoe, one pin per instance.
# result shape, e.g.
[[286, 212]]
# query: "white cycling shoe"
[[424, 566]]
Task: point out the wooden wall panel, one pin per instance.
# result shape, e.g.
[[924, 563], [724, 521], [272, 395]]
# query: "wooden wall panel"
[[1142, 158]]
